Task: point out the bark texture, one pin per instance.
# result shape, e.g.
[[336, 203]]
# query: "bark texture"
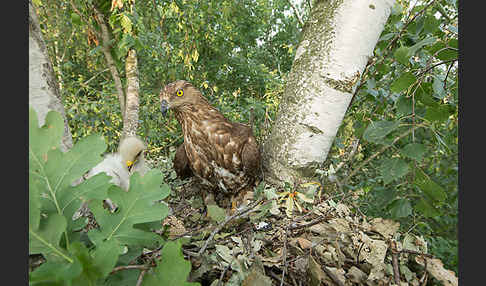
[[336, 43], [44, 94], [130, 120], [106, 48]]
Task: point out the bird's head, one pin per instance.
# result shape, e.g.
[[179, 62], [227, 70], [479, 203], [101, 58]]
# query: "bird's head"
[[131, 151], [178, 94]]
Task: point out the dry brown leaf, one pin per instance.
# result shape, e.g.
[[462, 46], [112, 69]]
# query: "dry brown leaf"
[[176, 226], [355, 275], [304, 243], [385, 227], [435, 267]]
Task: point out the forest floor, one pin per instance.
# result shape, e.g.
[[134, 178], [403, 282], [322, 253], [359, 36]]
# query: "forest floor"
[[328, 244]]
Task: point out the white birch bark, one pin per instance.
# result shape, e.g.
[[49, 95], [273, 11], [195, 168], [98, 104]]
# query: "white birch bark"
[[336, 43], [43, 88]]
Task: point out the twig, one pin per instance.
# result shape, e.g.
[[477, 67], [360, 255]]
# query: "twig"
[[437, 64], [292, 276], [284, 256], [309, 224], [296, 12], [447, 74], [388, 48], [408, 23], [416, 252], [140, 277], [394, 253], [126, 267], [351, 155], [332, 276], [379, 152], [359, 252], [223, 273], [228, 219], [93, 77], [275, 276]]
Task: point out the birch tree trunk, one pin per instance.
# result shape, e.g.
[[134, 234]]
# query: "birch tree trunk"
[[43, 88], [336, 43]]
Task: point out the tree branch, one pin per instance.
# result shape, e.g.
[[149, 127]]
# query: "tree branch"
[[296, 12], [378, 153], [106, 48]]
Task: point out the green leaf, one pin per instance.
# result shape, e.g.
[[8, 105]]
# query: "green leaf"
[[425, 42], [75, 18], [429, 187], [138, 205], [105, 256], [415, 151], [43, 139], [437, 112], [404, 106], [34, 203], [55, 273], [62, 169], [403, 82], [426, 209], [438, 87], [216, 213], [172, 269], [45, 239], [424, 92], [90, 271], [377, 130], [431, 24], [392, 169], [400, 208], [402, 55], [70, 200]]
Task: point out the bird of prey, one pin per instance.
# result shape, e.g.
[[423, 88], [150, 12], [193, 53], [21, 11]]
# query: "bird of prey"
[[223, 155]]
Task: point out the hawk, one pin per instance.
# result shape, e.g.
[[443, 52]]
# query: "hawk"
[[223, 155]]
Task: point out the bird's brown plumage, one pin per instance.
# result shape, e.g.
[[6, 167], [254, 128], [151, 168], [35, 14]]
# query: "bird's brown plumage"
[[222, 154]]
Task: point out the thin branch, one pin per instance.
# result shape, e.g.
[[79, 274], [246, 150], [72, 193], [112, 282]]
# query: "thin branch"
[[309, 224], [378, 153], [93, 77], [222, 274], [106, 48], [284, 256], [389, 48], [140, 277], [436, 64], [275, 276], [296, 12], [394, 253], [226, 221], [447, 74], [127, 267], [351, 155]]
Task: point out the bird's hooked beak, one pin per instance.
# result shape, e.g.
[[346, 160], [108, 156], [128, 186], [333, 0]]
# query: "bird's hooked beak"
[[164, 106]]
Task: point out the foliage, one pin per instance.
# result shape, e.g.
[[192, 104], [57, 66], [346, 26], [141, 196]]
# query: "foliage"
[[410, 83], [54, 231]]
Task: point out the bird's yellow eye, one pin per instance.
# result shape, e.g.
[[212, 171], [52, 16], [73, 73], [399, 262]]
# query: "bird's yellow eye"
[[129, 163], [180, 92]]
